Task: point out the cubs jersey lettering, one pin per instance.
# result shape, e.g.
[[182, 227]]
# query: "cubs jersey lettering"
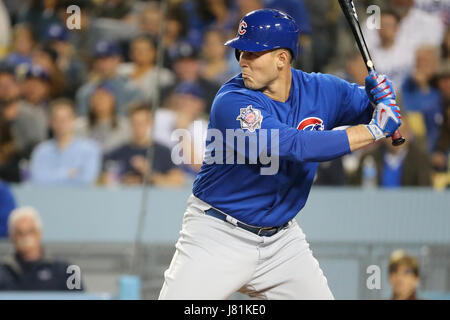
[[317, 103]]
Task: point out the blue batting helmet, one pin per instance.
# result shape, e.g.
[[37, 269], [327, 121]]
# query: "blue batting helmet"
[[266, 29]]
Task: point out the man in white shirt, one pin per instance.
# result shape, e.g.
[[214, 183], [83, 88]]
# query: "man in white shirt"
[[403, 30]]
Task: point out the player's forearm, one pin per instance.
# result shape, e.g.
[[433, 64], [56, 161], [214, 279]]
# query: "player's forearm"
[[315, 146], [359, 137]]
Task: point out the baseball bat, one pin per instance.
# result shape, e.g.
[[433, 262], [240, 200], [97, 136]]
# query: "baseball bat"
[[348, 7]]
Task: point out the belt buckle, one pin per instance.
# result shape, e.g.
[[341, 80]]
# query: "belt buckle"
[[266, 229]]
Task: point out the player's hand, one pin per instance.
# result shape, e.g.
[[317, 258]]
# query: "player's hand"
[[379, 88], [386, 120]]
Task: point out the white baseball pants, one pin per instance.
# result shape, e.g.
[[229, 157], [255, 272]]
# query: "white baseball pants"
[[215, 259]]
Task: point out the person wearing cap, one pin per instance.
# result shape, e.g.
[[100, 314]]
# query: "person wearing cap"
[[107, 57], [47, 58], [28, 125], [36, 87], [66, 159], [68, 61], [103, 124], [187, 67], [239, 232]]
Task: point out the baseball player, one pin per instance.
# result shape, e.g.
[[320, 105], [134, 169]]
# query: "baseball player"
[[239, 233]]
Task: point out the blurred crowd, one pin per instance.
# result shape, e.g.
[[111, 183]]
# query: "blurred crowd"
[[77, 106]]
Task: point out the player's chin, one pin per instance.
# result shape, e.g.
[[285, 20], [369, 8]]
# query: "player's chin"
[[249, 84]]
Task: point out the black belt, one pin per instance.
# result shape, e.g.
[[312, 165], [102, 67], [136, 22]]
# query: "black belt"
[[260, 231]]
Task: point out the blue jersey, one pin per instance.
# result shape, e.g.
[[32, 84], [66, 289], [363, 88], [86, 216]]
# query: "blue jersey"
[[317, 103]]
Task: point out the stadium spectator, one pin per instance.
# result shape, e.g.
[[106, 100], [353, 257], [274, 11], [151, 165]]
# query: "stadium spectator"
[[442, 150], [215, 66], [388, 57], [393, 167], [36, 88], [185, 110], [246, 6], [324, 38], [28, 125], [403, 276], [116, 20], [415, 29], [107, 59], [65, 159], [331, 173], [7, 204], [218, 14], [174, 36], [150, 19], [187, 69], [68, 62], [84, 38], [103, 124], [23, 42], [128, 163], [39, 14], [419, 96], [117, 9], [30, 267], [355, 69], [10, 156], [47, 57], [142, 70]]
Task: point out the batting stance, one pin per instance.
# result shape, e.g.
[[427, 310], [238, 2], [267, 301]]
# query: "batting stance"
[[239, 231]]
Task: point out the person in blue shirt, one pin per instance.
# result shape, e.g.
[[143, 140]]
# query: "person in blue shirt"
[[65, 159], [419, 95], [395, 167], [7, 204], [239, 231]]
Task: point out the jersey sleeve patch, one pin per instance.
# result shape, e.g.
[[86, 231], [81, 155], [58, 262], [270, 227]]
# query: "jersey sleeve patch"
[[250, 119]]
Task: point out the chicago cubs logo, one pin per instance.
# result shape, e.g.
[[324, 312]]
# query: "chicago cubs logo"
[[311, 123], [242, 28], [250, 118]]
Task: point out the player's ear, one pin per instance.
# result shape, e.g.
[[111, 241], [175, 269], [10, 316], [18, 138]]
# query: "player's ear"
[[283, 58]]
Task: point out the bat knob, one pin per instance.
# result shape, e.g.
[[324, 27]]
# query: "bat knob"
[[397, 139]]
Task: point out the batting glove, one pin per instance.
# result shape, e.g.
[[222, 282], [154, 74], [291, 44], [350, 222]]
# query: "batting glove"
[[379, 88], [386, 120]]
